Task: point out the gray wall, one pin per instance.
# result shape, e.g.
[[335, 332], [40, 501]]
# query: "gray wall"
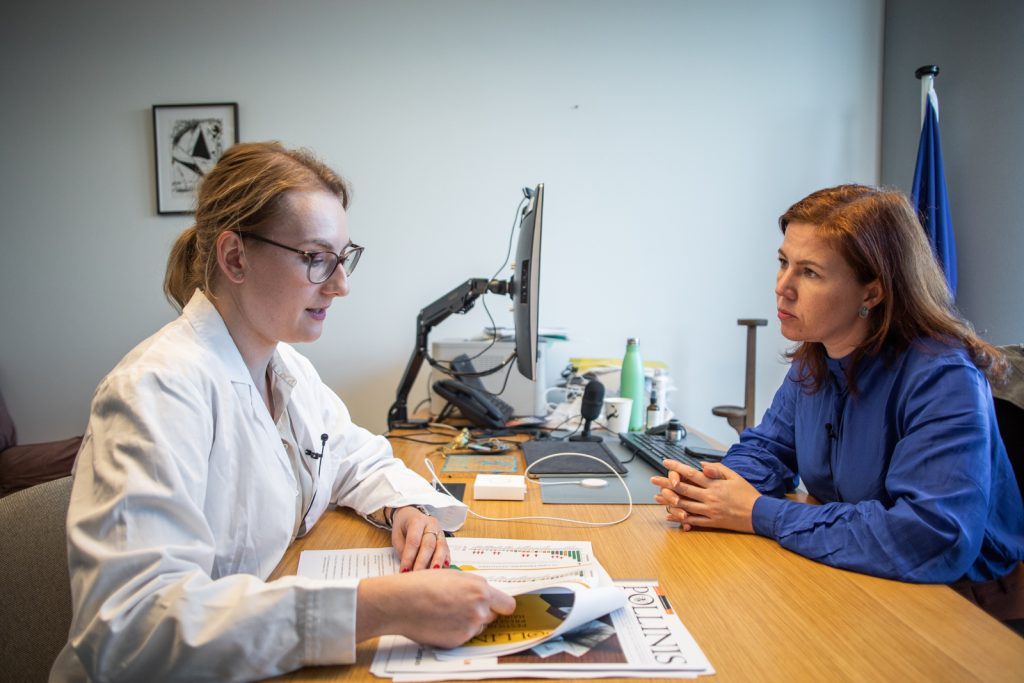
[[670, 136], [979, 47]]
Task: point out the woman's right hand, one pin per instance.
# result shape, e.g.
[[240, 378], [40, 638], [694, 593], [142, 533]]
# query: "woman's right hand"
[[438, 607]]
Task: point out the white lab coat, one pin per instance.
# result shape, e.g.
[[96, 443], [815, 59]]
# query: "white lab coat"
[[184, 501]]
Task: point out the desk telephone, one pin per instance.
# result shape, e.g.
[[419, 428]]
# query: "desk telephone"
[[482, 408]]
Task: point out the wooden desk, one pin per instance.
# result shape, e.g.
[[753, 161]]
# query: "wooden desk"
[[760, 613]]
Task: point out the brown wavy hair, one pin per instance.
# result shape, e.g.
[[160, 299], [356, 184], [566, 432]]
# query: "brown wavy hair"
[[878, 233], [241, 192]]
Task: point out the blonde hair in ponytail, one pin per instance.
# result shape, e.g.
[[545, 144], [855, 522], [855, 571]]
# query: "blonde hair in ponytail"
[[180, 280], [241, 193]]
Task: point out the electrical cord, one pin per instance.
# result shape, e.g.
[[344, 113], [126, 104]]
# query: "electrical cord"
[[409, 438], [511, 233], [436, 482], [439, 365], [429, 429], [507, 374]]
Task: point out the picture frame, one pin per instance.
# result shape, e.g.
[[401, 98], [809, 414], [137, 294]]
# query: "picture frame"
[[188, 139]]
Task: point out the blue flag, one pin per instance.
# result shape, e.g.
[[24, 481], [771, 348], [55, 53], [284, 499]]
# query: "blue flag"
[[929, 193]]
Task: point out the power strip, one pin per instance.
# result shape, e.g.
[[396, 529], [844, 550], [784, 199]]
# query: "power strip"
[[499, 487]]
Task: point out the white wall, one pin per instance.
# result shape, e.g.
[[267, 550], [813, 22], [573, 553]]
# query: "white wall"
[[670, 136], [979, 48]]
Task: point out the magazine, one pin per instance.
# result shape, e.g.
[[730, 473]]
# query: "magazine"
[[571, 619], [542, 614], [559, 586]]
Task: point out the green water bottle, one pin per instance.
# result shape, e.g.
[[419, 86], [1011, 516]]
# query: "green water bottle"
[[632, 383]]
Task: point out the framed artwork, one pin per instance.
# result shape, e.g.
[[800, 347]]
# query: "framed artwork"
[[188, 140]]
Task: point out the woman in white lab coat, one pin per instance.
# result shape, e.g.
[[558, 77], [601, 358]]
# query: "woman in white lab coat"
[[213, 444]]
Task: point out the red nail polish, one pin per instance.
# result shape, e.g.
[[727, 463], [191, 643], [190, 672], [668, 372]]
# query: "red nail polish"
[[437, 566], [405, 569], [446, 563]]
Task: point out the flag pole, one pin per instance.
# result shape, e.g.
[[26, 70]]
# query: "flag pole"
[[926, 74], [928, 192]]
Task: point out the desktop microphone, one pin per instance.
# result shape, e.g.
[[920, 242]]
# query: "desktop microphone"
[[317, 456], [590, 408]]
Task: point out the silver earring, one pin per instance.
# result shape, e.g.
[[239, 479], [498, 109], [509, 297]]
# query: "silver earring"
[[863, 311]]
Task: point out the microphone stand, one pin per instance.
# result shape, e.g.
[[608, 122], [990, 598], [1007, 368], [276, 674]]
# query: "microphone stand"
[[585, 435], [590, 408]]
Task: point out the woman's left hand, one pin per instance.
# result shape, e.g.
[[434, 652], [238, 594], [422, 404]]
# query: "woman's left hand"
[[419, 540], [715, 498]]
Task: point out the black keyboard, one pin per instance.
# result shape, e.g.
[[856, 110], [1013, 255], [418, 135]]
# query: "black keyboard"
[[654, 449]]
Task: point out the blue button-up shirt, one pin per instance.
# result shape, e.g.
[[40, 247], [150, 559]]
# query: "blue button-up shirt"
[[912, 474]]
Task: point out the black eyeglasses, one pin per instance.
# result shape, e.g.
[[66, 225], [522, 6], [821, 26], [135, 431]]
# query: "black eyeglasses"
[[320, 265]]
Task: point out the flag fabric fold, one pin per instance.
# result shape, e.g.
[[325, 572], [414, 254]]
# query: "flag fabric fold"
[[929, 192]]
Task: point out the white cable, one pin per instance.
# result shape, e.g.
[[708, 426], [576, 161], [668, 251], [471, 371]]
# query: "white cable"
[[441, 425], [629, 496]]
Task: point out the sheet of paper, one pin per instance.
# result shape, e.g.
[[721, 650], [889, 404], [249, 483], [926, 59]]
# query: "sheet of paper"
[[348, 564], [510, 565]]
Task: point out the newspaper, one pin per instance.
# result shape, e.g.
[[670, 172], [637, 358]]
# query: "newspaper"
[[645, 639], [559, 586], [572, 620]]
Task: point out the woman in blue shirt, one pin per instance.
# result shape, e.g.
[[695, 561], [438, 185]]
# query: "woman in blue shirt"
[[886, 414]]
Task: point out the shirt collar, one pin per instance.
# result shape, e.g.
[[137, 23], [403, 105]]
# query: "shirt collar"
[[837, 368], [206, 320], [282, 383]]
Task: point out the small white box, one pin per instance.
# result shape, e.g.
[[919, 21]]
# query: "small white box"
[[499, 487]]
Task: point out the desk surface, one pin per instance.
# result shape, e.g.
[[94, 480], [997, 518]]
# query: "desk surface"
[[759, 612]]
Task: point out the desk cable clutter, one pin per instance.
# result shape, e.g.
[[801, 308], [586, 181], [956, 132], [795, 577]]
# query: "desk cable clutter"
[[514, 485]]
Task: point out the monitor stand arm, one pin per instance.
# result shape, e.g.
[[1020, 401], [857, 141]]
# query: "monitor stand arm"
[[459, 300]]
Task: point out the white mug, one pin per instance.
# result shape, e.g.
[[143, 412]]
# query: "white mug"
[[617, 411]]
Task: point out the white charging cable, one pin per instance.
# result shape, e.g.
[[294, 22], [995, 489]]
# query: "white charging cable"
[[629, 496]]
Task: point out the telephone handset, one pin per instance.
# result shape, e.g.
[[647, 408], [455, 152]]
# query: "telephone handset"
[[477, 406]]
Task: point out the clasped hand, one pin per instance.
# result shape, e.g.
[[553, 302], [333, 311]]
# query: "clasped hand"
[[715, 498]]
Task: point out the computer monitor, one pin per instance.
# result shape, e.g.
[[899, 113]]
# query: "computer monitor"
[[524, 287]]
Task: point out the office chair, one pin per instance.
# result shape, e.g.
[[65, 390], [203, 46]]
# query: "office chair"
[[1009, 401], [1008, 398], [35, 590], [741, 417]]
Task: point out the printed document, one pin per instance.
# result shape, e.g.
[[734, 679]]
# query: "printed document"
[[645, 639], [571, 619], [559, 586]]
